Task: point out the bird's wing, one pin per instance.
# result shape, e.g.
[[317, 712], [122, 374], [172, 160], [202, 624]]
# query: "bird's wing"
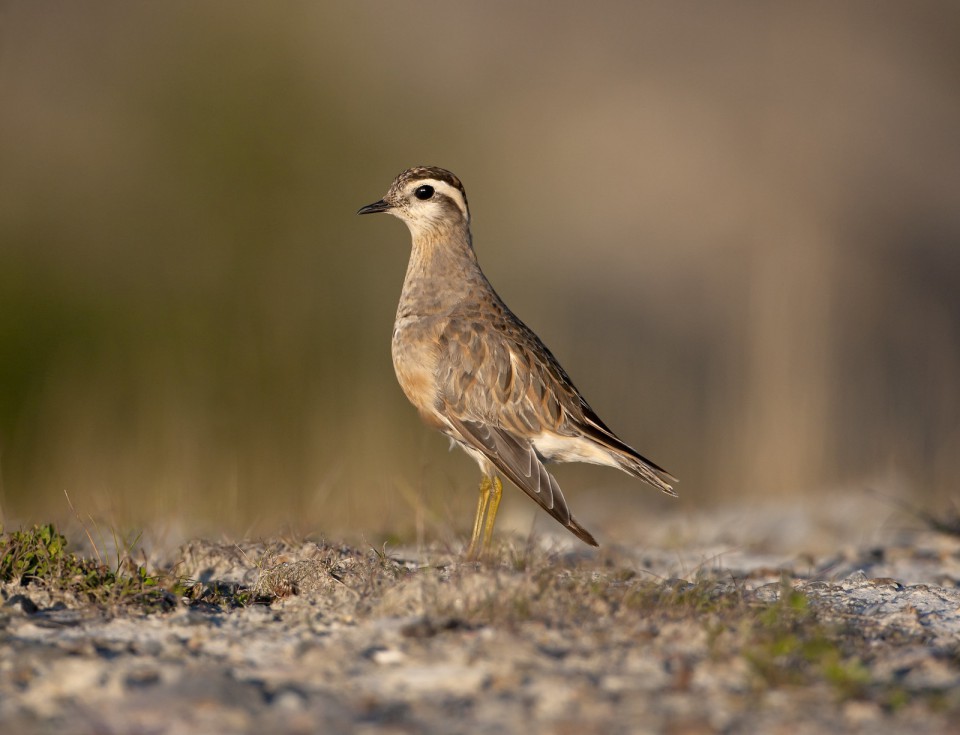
[[519, 463], [498, 371]]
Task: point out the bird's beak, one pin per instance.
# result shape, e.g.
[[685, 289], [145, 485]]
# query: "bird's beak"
[[381, 206]]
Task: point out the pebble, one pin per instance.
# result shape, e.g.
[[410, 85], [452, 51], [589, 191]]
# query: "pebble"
[[433, 652]]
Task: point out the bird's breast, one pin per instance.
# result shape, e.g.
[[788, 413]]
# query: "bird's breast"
[[415, 355]]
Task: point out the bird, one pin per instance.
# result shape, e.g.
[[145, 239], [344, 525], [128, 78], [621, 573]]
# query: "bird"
[[478, 374]]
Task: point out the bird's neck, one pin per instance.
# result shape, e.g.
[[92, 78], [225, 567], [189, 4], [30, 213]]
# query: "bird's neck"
[[443, 271]]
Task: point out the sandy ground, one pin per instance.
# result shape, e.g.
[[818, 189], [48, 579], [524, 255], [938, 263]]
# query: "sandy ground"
[[696, 632]]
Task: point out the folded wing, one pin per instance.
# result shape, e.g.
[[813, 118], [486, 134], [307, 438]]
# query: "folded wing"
[[518, 461]]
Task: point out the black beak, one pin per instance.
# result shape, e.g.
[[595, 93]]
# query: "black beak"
[[381, 206]]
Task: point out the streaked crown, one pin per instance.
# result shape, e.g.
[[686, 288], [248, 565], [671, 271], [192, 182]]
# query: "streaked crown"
[[432, 175]]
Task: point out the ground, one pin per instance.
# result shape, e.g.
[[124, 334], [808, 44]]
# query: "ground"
[[300, 636]]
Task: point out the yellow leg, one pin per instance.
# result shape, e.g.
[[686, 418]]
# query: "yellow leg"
[[492, 512], [473, 552]]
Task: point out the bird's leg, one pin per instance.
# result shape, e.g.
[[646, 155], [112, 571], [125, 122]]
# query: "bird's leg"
[[473, 552], [492, 511]]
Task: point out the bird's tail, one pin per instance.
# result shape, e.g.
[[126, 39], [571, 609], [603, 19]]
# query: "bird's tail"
[[634, 464], [626, 457]]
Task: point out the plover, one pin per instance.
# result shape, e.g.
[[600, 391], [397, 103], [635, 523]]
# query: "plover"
[[478, 374]]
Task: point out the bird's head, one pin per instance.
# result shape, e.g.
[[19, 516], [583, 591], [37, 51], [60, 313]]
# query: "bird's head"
[[428, 199]]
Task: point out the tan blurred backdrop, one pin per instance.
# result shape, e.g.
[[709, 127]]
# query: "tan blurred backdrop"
[[736, 224]]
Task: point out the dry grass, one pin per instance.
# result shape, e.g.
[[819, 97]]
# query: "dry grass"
[[722, 636]]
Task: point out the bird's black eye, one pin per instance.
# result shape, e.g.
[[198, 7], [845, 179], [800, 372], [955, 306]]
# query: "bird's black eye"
[[423, 192]]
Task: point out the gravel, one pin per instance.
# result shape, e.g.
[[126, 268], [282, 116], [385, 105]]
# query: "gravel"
[[542, 639]]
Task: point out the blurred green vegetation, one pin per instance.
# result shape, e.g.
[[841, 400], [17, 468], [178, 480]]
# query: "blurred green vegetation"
[[738, 229]]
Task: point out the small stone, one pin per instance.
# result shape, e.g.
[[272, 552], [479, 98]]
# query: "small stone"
[[856, 579], [288, 701], [388, 656], [886, 582]]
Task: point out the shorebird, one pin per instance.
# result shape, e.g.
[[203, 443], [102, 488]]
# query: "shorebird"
[[478, 374]]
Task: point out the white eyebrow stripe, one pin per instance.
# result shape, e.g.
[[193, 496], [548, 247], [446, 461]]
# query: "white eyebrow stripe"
[[449, 191]]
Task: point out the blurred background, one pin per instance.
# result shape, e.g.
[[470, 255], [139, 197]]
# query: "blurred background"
[[737, 225]]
